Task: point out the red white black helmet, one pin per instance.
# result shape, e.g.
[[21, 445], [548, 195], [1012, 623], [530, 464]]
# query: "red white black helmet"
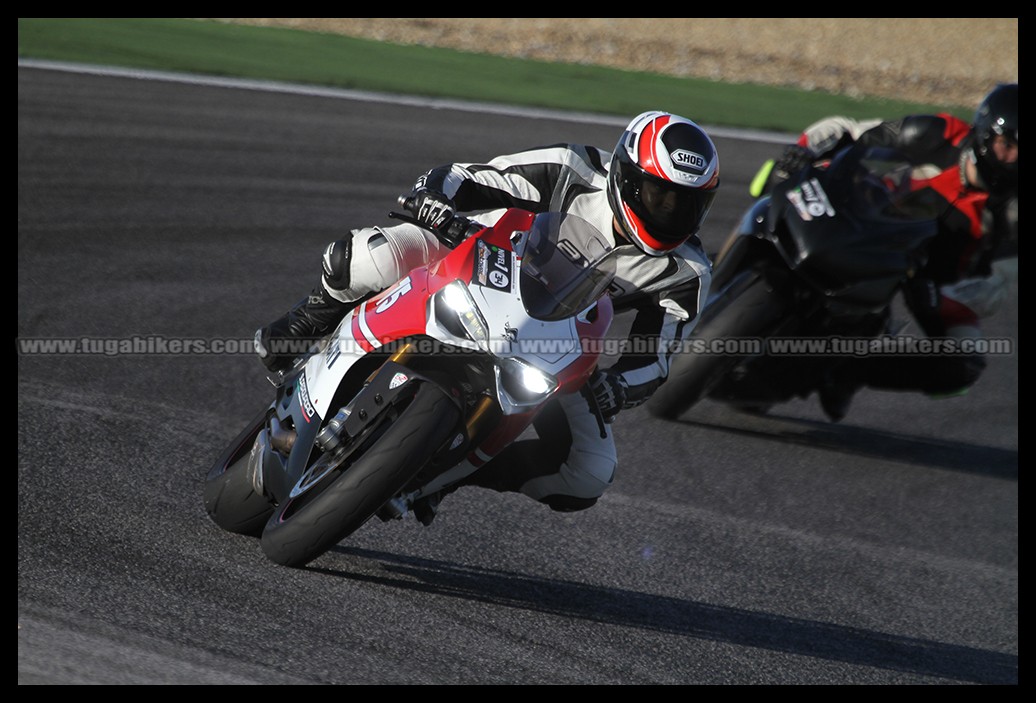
[[663, 178]]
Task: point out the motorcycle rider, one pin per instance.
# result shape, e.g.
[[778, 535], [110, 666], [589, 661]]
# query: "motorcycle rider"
[[974, 170], [651, 194]]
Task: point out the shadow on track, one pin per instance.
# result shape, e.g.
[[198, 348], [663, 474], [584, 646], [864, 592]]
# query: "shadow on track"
[[975, 459], [698, 620]]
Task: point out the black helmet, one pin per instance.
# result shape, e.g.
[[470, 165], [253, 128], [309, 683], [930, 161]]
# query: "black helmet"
[[996, 116], [662, 180]]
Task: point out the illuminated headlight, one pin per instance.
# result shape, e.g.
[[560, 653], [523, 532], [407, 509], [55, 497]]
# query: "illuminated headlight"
[[456, 311], [522, 383]]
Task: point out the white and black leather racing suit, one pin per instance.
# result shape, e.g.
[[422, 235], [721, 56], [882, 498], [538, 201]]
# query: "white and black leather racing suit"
[[569, 465]]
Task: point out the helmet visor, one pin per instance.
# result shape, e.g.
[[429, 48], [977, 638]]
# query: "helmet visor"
[[997, 162], [669, 211]]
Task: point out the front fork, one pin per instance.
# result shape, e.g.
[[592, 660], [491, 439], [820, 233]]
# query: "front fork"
[[383, 388], [483, 414]]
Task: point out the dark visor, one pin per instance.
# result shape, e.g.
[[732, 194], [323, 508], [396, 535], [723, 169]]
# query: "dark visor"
[[667, 209]]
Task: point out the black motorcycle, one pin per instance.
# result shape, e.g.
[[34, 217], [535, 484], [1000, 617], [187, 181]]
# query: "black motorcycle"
[[805, 280]]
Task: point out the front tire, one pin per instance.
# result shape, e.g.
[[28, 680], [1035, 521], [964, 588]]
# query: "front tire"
[[750, 307], [304, 527]]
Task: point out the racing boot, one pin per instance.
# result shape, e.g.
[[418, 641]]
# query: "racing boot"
[[836, 391], [835, 399], [425, 509], [279, 343]]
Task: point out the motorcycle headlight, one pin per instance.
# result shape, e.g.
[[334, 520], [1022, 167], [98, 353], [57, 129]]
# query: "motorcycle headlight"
[[522, 383], [456, 311]]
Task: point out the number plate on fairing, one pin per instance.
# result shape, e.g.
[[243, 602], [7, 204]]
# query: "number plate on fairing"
[[494, 267]]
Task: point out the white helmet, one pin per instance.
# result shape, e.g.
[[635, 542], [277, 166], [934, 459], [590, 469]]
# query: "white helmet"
[[663, 177]]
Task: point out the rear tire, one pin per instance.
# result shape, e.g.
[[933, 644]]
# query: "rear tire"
[[303, 528], [749, 307], [230, 500]]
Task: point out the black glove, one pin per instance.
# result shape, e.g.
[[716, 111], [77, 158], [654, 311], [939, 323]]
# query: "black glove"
[[609, 390], [794, 159], [432, 208]]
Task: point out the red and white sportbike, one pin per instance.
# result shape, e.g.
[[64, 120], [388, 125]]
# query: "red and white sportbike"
[[453, 362]]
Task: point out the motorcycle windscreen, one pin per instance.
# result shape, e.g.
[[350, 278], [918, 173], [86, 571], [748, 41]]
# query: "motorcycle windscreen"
[[860, 225], [566, 265], [879, 184]]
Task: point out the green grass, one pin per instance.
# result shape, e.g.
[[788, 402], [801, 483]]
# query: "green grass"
[[324, 59]]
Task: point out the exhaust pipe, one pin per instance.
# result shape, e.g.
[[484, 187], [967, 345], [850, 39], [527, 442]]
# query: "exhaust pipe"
[[278, 437], [281, 438]]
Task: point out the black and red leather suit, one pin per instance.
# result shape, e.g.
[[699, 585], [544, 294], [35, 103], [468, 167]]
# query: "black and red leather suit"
[[959, 283]]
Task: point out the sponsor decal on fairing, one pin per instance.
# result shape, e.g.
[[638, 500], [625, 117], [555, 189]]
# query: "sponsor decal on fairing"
[[810, 200], [308, 411], [494, 267]]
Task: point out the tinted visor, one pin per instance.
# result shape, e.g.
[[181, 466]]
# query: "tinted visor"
[[669, 211], [998, 161]]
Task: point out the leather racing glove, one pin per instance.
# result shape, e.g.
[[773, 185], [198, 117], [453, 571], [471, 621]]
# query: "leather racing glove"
[[791, 161], [610, 392], [433, 209]]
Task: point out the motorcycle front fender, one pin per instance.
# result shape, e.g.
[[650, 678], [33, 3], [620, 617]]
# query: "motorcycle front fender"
[[748, 243], [747, 252], [387, 387]]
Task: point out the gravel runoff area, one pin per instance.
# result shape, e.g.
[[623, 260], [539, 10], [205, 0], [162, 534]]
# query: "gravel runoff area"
[[952, 61]]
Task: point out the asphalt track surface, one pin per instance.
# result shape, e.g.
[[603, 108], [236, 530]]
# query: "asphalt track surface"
[[731, 549]]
